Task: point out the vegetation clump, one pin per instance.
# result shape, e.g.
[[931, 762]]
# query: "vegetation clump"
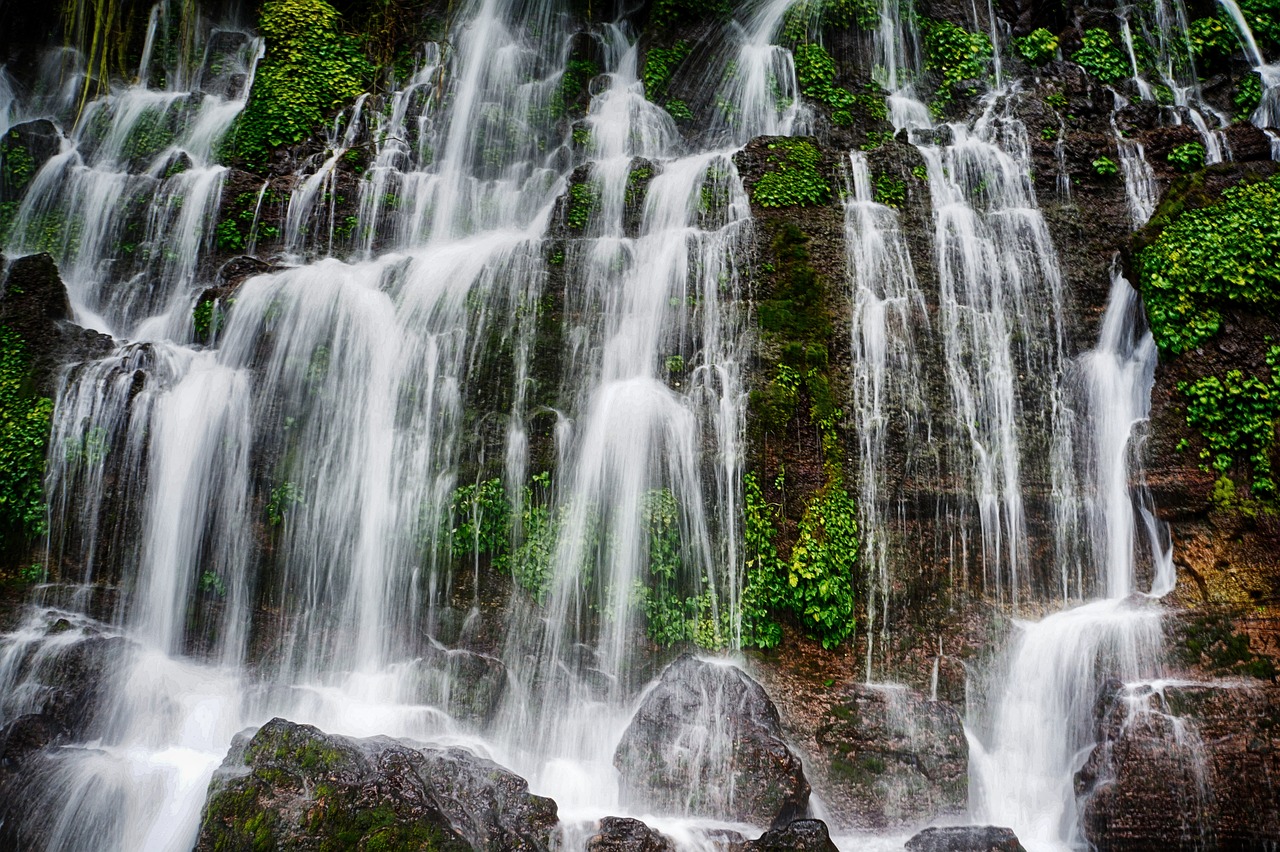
[[1105, 167], [1037, 47], [1187, 157], [794, 178], [1212, 258], [583, 200], [816, 74], [659, 64], [957, 55], [26, 421], [1100, 56], [309, 69]]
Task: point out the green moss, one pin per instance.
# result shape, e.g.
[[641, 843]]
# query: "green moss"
[[957, 55], [1101, 57], [25, 418], [310, 69], [668, 13], [1211, 641], [1208, 259], [583, 200], [19, 167], [793, 178]]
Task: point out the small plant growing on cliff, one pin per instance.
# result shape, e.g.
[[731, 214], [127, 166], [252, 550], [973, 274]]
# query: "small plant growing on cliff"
[[959, 56], [1105, 167], [794, 178], [284, 497], [1187, 157], [659, 64], [1101, 57], [583, 198], [1247, 96], [26, 420], [890, 191], [1038, 47]]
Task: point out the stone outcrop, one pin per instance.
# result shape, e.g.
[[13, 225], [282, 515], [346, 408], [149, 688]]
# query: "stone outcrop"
[[621, 834], [1188, 766], [965, 838], [801, 835], [707, 740], [293, 786], [895, 757]]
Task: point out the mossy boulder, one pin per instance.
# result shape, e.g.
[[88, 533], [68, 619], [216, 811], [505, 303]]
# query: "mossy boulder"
[[292, 786]]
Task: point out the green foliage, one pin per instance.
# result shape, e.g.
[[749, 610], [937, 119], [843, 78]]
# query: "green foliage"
[[671, 617], [957, 55], [583, 199], [890, 190], [1247, 96], [671, 12], [1236, 416], [573, 84], [211, 584], [809, 17], [481, 521], [1187, 157], [283, 498], [816, 74], [209, 316], [25, 419], [19, 167], [679, 110], [820, 571], [1038, 47], [1101, 57], [763, 586], [1263, 17], [1222, 254], [533, 562], [1057, 100], [659, 64], [1211, 40], [794, 178], [1211, 640], [1105, 167], [309, 70], [31, 574]]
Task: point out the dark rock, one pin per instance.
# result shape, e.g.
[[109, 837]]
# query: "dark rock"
[[293, 786], [474, 683], [38, 141], [66, 681], [801, 835], [222, 74], [896, 757], [965, 838], [35, 305], [707, 741], [620, 834], [1189, 766], [26, 735]]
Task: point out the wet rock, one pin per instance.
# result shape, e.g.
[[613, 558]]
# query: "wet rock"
[[222, 75], [895, 757], [293, 786], [707, 740], [965, 838], [473, 683], [24, 150], [801, 835], [27, 735], [1187, 766], [620, 834], [35, 305], [65, 680]]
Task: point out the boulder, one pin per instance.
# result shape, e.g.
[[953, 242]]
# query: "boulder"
[[706, 741], [1184, 766], [801, 835], [896, 758], [293, 786], [620, 834], [965, 838]]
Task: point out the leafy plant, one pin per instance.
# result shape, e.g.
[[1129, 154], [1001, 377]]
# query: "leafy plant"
[[309, 69], [481, 521], [762, 592], [25, 420], [820, 571], [1101, 57], [1187, 157], [889, 190], [1105, 167], [1211, 40], [1247, 96], [1212, 257], [284, 497], [957, 55], [1037, 47], [659, 64], [794, 178], [583, 199]]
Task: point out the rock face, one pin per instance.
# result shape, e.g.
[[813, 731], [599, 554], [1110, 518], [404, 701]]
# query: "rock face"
[[293, 786], [1194, 766], [707, 740], [895, 757], [620, 834], [801, 835], [965, 838]]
